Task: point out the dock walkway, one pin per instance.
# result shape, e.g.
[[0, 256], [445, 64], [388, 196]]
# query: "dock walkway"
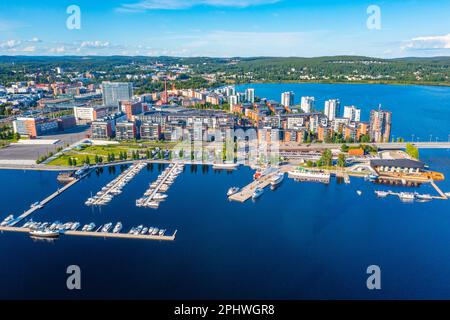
[[247, 192], [163, 180], [44, 202], [443, 196], [100, 234]]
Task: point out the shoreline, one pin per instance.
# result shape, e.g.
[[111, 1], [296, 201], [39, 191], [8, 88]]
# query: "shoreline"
[[394, 83]]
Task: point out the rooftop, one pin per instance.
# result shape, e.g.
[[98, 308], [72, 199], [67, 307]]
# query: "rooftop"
[[402, 163]]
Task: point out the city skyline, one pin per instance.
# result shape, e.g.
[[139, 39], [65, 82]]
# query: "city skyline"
[[218, 28]]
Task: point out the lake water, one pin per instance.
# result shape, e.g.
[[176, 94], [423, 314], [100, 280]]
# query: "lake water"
[[422, 111], [301, 241]]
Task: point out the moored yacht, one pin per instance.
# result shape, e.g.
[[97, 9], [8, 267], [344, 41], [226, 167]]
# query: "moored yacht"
[[232, 190], [406, 196], [258, 192], [44, 233], [277, 179], [117, 227]]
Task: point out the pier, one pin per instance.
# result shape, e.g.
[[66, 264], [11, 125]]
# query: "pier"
[[44, 202], [443, 196], [100, 234], [168, 173], [115, 187], [247, 192]]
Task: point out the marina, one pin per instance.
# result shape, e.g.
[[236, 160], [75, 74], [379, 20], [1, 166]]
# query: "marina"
[[114, 188], [39, 205], [56, 234], [155, 194]]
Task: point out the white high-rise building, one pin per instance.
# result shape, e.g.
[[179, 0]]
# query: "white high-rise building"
[[240, 96], [230, 91], [352, 113], [232, 100], [332, 108], [250, 95], [287, 98], [307, 104]]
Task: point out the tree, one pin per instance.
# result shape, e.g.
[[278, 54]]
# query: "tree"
[[365, 138], [412, 151], [74, 162], [87, 160], [341, 160], [327, 158], [70, 162], [344, 148]]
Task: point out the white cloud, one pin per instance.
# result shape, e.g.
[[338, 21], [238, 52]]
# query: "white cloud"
[[60, 49], [29, 49], [10, 44], [95, 44], [144, 5], [429, 43]]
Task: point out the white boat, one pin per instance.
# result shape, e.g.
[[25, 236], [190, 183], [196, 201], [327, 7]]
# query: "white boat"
[[44, 234], [159, 196], [424, 197], [277, 179], [117, 227], [381, 194], [310, 175], [359, 192], [155, 231], [106, 227], [75, 226], [144, 230], [258, 192], [407, 196], [7, 220], [225, 166], [153, 204], [232, 190]]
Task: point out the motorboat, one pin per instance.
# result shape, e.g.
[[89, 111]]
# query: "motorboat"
[[232, 190], [381, 194], [277, 179], [406, 196], [257, 193], [117, 227], [44, 234]]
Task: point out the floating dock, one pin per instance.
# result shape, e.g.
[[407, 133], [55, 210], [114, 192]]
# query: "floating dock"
[[104, 197], [44, 202], [167, 175], [100, 234]]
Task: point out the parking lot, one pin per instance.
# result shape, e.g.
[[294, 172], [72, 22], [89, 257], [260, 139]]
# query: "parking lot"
[[33, 152]]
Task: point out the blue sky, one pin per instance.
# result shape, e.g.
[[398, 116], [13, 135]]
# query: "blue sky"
[[225, 28]]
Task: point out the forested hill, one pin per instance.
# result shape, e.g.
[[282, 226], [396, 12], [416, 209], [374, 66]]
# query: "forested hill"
[[435, 70]]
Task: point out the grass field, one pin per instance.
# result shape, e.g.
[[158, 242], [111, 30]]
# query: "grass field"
[[104, 150]]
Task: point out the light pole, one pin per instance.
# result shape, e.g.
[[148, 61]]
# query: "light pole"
[[431, 137], [412, 137]]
